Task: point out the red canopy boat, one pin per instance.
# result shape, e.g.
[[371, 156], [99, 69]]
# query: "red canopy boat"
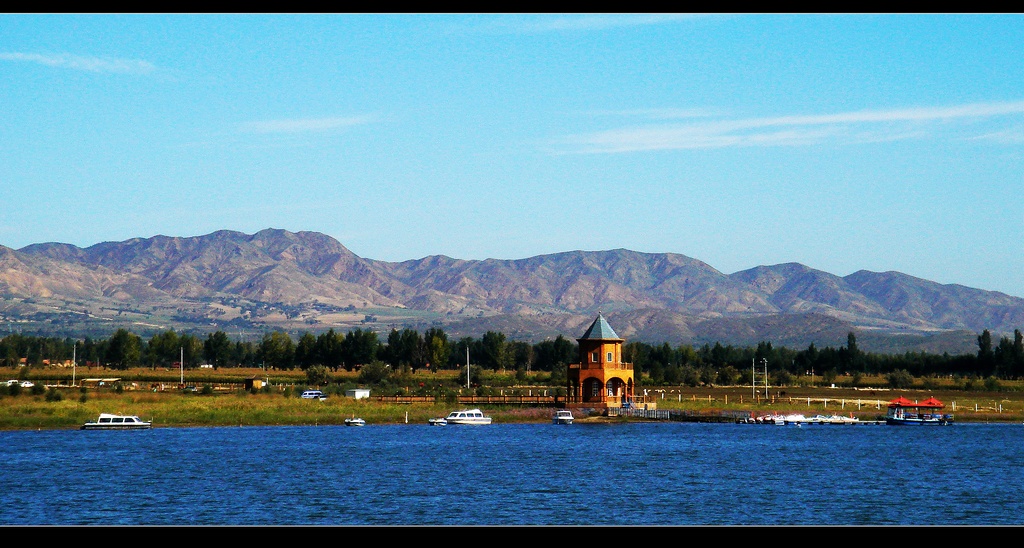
[[903, 411]]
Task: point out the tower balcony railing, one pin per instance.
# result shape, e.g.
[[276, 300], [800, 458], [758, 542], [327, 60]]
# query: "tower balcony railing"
[[603, 365]]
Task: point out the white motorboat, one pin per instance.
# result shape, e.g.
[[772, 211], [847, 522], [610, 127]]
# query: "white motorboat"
[[107, 421], [355, 421], [437, 422], [794, 418], [467, 416], [562, 416]]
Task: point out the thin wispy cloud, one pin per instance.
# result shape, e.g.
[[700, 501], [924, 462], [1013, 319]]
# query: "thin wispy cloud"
[[855, 126], [78, 62], [1012, 136], [657, 113], [306, 125]]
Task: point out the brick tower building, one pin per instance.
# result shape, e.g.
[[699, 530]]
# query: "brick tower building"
[[601, 379]]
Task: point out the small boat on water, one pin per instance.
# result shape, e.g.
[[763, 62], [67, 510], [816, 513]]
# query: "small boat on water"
[[905, 412], [107, 421], [562, 416], [437, 422], [467, 416], [355, 421]]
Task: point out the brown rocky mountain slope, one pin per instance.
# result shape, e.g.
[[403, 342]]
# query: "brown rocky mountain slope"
[[309, 281]]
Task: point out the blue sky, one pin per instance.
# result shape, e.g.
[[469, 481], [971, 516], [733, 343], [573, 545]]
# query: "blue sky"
[[839, 141]]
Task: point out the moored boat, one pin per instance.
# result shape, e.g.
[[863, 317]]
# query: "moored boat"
[[355, 421], [467, 416], [833, 419], [562, 416], [437, 422], [905, 412], [108, 421]]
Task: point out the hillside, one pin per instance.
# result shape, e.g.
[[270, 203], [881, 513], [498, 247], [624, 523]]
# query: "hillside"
[[307, 281]]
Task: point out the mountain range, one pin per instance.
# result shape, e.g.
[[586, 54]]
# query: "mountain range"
[[307, 281]]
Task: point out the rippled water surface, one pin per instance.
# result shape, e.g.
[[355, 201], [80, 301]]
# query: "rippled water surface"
[[504, 474]]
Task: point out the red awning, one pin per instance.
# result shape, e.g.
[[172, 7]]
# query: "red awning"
[[930, 403]]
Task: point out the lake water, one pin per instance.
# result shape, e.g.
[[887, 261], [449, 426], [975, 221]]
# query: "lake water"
[[508, 474]]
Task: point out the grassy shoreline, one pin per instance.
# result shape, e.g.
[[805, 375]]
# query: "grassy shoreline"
[[174, 408]]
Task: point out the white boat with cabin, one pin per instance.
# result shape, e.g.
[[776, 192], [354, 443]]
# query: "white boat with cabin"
[[107, 421], [355, 421], [562, 416], [467, 416]]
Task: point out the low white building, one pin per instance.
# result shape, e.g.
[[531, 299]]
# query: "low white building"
[[358, 393]]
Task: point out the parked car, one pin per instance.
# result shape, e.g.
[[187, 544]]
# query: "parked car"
[[12, 382], [27, 384], [314, 395]]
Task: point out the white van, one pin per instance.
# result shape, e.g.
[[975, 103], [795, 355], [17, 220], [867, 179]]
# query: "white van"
[[314, 395]]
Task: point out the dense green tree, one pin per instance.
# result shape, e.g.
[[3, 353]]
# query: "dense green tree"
[[373, 373], [496, 354], [277, 350], [305, 351], [522, 355], [688, 355], [783, 378], [1017, 370], [246, 354], [360, 347], [125, 350], [438, 348], [727, 376], [549, 353], [405, 349], [660, 358], [466, 349], [330, 350], [217, 349], [163, 349], [806, 361], [317, 375], [690, 376], [192, 349], [9, 356], [986, 356], [672, 373], [900, 379]]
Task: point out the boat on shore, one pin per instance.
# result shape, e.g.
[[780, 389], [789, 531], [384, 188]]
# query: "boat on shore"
[[108, 421], [775, 418], [562, 416], [355, 421], [467, 416], [833, 419], [903, 412]]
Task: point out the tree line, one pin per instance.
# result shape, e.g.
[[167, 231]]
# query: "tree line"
[[409, 350]]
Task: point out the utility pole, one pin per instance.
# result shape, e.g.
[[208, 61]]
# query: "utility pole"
[[753, 376], [765, 361]]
